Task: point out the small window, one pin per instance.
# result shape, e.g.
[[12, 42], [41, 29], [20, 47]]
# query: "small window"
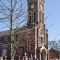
[[28, 45], [30, 13], [41, 39], [30, 17], [6, 39], [4, 52], [40, 16], [20, 40], [0, 39], [41, 31], [34, 16]]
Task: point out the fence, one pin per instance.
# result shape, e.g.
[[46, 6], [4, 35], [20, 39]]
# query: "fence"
[[17, 58]]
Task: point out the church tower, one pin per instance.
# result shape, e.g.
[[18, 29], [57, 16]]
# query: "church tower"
[[36, 20], [35, 12]]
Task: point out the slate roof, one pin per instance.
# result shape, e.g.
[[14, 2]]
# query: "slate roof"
[[4, 33], [17, 30]]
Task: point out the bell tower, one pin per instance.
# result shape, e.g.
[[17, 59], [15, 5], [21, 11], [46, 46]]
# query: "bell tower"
[[35, 12]]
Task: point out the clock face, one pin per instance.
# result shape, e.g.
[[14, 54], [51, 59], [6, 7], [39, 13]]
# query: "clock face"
[[32, 6], [41, 7]]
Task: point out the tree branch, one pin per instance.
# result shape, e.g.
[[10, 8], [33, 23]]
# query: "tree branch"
[[5, 23]]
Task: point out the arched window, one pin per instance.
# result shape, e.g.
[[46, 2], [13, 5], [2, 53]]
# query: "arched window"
[[41, 31], [41, 40], [41, 36], [34, 16], [4, 52], [42, 17], [30, 17]]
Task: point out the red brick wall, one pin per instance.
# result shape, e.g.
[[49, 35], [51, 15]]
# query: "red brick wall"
[[53, 54]]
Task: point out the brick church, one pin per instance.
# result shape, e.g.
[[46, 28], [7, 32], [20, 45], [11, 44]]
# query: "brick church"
[[33, 38]]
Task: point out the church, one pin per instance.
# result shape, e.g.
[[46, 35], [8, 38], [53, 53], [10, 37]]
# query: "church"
[[33, 38]]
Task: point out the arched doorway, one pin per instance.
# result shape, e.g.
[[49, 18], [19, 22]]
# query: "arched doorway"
[[43, 54]]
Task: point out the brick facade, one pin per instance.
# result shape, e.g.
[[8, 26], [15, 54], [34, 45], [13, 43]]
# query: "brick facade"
[[32, 39], [53, 54]]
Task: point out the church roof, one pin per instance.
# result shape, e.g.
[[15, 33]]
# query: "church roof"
[[17, 30], [4, 33]]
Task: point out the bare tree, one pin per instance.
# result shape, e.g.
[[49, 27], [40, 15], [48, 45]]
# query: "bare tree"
[[13, 13]]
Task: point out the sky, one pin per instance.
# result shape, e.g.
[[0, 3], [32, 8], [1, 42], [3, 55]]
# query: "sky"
[[52, 7], [52, 10], [17, 12]]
